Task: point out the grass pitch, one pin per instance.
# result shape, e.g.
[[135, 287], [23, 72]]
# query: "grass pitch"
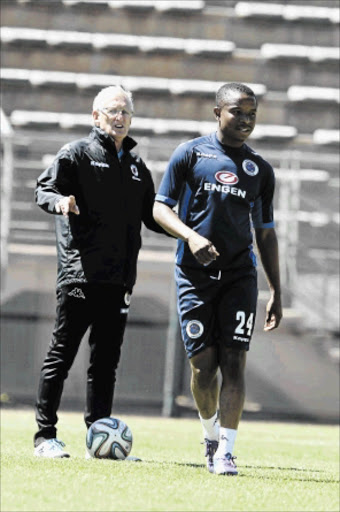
[[282, 467]]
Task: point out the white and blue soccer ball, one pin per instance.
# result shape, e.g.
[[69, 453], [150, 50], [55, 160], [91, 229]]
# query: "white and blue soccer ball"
[[109, 438]]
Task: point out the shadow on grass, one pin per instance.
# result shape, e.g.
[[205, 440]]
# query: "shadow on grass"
[[284, 469], [300, 478], [287, 479]]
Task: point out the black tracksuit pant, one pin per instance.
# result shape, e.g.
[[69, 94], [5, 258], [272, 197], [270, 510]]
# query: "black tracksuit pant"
[[103, 308]]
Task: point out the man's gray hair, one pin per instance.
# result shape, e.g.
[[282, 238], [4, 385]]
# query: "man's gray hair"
[[111, 92]]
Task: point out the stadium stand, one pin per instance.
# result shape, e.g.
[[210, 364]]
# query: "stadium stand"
[[134, 83], [214, 21], [277, 65], [303, 107], [142, 126], [122, 42], [173, 55]]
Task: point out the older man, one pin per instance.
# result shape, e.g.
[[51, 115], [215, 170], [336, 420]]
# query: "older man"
[[100, 192]]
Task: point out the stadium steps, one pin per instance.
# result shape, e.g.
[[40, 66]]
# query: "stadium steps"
[[33, 144], [276, 65], [306, 108], [153, 96], [253, 22], [30, 144], [137, 84], [141, 125], [290, 12]]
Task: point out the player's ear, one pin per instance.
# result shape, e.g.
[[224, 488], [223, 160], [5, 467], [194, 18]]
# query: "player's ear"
[[95, 117], [217, 112]]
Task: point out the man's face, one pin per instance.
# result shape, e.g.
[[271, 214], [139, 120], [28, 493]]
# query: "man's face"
[[236, 118], [114, 117]]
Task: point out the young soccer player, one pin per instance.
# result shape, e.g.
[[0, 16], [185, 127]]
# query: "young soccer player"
[[220, 184]]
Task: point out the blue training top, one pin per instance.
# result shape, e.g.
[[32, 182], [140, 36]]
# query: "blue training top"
[[217, 188]]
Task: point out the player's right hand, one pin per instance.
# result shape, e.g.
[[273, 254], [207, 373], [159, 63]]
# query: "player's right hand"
[[67, 205], [203, 250]]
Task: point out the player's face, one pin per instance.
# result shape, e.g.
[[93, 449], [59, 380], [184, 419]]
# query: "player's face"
[[114, 117], [236, 118]]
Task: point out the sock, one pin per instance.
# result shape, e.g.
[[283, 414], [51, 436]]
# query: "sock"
[[210, 427], [226, 442]]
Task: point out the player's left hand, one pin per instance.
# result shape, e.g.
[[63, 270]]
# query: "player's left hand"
[[67, 205], [273, 314]]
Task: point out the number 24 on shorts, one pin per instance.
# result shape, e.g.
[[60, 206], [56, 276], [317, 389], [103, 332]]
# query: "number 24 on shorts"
[[244, 324]]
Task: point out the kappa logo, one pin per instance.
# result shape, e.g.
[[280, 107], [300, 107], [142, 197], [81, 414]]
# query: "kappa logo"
[[134, 171], [206, 155], [99, 164], [194, 329], [250, 167], [77, 293], [226, 178]]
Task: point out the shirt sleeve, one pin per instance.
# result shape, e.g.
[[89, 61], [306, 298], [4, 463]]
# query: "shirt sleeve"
[[148, 202], [56, 181], [174, 177], [262, 212]]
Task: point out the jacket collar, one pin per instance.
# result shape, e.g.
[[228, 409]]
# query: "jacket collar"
[[105, 139]]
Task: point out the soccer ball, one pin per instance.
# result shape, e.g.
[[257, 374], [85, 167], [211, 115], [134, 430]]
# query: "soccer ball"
[[109, 438]]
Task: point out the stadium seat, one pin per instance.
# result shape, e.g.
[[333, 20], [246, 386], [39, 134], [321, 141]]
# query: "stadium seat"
[[310, 175], [133, 83], [164, 5], [300, 52], [297, 93], [287, 12], [76, 39], [26, 118], [323, 137]]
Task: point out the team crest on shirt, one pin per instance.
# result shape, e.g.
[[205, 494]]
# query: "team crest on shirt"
[[134, 171], [250, 167], [194, 329]]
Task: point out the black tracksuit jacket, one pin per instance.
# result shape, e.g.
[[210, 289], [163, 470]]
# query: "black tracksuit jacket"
[[114, 196]]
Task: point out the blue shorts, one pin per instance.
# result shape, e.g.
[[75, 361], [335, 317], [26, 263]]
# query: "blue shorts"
[[216, 307]]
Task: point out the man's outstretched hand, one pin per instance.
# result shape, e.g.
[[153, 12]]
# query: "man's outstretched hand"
[[67, 205]]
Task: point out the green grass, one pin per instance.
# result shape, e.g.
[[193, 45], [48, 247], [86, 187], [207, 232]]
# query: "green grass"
[[282, 467]]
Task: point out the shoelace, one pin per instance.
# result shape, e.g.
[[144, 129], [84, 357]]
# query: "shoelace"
[[55, 444], [210, 448], [231, 458]]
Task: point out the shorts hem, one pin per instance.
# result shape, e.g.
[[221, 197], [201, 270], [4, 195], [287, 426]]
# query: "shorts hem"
[[238, 347], [197, 351]]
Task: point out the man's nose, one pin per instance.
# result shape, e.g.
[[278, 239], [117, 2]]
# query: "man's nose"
[[246, 117]]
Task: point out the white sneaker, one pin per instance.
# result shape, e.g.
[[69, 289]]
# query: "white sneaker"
[[51, 448], [225, 465]]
